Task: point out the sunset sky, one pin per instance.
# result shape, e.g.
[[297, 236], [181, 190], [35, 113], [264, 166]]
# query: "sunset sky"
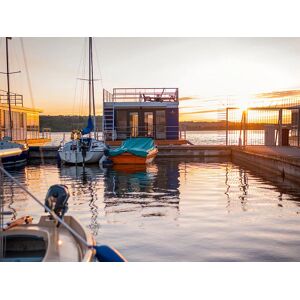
[[206, 70]]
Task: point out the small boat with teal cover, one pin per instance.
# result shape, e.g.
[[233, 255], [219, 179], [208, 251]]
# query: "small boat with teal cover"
[[137, 150]]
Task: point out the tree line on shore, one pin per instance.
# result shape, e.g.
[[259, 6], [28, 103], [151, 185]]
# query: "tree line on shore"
[[68, 123]]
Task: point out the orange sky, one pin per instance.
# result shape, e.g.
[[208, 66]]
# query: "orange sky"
[[207, 71]]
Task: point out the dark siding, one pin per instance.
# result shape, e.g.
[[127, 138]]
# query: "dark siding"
[[172, 123]]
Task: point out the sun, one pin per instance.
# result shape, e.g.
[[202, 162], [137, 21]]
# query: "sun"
[[243, 105], [243, 102]]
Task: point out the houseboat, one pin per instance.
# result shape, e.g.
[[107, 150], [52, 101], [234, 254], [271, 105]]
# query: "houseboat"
[[25, 121], [141, 112], [17, 123]]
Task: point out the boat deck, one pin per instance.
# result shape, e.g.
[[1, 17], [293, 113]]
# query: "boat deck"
[[62, 246]]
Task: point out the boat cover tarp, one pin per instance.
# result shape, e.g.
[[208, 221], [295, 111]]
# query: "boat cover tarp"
[[89, 128], [136, 146]]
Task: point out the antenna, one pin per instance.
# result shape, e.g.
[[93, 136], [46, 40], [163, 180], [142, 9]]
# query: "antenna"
[[7, 73]]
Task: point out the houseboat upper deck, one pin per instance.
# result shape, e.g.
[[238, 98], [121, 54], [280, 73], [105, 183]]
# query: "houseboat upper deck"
[[147, 112]]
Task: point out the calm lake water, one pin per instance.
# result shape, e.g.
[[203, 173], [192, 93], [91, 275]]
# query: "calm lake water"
[[212, 137], [173, 210]]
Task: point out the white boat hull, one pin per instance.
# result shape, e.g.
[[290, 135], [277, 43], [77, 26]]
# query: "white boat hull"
[[71, 152], [75, 157]]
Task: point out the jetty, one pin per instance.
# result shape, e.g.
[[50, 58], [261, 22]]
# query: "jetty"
[[281, 160]]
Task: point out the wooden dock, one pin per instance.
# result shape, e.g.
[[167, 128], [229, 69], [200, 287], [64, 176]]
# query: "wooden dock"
[[282, 161], [163, 151]]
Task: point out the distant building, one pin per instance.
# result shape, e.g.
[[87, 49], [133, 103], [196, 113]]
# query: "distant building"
[[25, 121], [133, 112]]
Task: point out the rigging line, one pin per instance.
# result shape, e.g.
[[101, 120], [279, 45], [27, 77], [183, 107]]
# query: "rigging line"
[[27, 73], [93, 90], [15, 65], [58, 219], [77, 87], [99, 67], [82, 95], [90, 91]]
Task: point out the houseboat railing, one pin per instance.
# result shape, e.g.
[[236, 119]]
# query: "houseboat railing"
[[46, 133], [15, 99], [141, 95], [156, 131]]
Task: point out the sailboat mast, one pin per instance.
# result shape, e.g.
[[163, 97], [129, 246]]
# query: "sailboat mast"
[[90, 77], [91, 84], [8, 89]]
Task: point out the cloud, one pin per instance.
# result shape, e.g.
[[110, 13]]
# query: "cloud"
[[187, 98], [279, 94]]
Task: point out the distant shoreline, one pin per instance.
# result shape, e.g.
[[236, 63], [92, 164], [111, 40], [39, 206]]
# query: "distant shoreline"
[[68, 123]]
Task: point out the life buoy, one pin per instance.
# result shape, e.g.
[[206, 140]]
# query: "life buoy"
[[75, 135], [20, 221]]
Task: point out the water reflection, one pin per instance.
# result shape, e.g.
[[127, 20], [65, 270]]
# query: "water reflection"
[[153, 190], [139, 208], [84, 182]]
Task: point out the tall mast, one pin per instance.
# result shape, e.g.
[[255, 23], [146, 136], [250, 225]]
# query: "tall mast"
[[91, 84], [8, 89]]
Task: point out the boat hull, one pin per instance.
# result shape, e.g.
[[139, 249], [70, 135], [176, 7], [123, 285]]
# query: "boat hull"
[[75, 157], [71, 152], [128, 158], [14, 160]]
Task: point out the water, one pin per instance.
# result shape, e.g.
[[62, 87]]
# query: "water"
[[210, 137], [173, 210]]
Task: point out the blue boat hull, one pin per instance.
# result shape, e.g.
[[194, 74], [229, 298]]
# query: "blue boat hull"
[[16, 160]]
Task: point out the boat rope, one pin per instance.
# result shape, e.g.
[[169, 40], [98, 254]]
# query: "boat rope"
[[27, 73], [78, 88], [58, 219]]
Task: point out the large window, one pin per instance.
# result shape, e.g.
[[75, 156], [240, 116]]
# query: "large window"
[[160, 127], [134, 123], [148, 121], [122, 130]]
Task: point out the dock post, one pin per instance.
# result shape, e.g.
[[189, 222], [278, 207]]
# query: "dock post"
[[244, 128], [280, 127], [226, 126], [298, 128]]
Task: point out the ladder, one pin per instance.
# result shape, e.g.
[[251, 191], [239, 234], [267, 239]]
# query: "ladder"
[[109, 123]]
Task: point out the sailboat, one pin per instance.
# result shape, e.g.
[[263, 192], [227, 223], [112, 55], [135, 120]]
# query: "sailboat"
[[6, 142], [81, 149]]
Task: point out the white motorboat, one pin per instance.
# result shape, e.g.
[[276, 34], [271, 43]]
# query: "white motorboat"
[[55, 238]]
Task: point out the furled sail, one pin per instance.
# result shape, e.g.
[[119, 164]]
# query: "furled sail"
[[89, 128]]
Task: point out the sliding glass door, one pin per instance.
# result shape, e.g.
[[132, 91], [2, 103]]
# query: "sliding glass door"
[[134, 123]]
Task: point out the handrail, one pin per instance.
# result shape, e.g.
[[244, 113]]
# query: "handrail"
[[156, 131], [141, 95], [16, 99]]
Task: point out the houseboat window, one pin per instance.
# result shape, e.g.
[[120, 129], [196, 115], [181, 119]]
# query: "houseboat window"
[[134, 123], [160, 124], [32, 125], [121, 124], [148, 121]]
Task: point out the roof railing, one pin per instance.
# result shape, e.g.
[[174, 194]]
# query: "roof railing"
[[15, 99], [141, 95]]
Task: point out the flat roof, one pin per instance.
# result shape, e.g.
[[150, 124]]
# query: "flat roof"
[[141, 104], [21, 108]]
